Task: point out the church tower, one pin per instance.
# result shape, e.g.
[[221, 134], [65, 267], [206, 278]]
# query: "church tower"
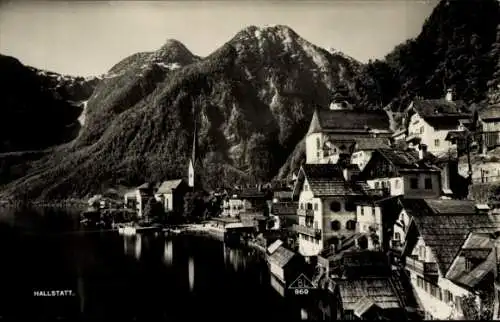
[[192, 159]]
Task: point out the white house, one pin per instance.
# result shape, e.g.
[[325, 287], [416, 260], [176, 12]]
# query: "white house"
[[171, 195], [429, 122], [333, 132], [439, 239], [327, 206], [398, 172], [364, 148]]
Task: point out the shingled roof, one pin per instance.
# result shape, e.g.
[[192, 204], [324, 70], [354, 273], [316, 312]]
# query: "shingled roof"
[[372, 143], [379, 290], [476, 247], [169, 186], [348, 120], [444, 226], [281, 256], [284, 208], [405, 160], [440, 112], [490, 113], [335, 185]]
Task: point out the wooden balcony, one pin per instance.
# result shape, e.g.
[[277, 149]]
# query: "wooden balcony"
[[309, 231], [305, 212], [420, 267]]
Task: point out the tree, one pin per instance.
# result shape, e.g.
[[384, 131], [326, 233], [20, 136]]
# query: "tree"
[[194, 206], [154, 211]]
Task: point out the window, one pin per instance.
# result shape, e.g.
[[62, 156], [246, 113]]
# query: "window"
[[397, 183], [306, 187], [436, 143], [335, 225], [350, 225], [317, 154], [421, 252], [377, 185], [448, 297], [468, 265], [414, 183], [421, 130], [368, 211], [335, 206], [315, 206], [397, 236], [350, 206], [315, 224], [362, 210], [301, 206], [428, 183], [318, 144], [309, 206]]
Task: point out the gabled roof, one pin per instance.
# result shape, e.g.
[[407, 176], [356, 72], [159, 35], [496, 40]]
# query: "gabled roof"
[[281, 256], [284, 208], [283, 194], [169, 186], [363, 305], [252, 193], [445, 231], [379, 290], [490, 113], [371, 144], [147, 186], [274, 246], [406, 160], [325, 120], [477, 247]]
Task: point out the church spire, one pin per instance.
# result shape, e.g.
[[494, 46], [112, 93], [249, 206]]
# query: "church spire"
[[192, 160]]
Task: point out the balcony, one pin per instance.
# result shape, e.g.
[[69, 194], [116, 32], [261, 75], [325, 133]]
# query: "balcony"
[[382, 192], [309, 231], [420, 267], [305, 212]]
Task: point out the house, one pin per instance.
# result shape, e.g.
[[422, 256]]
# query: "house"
[[232, 205], [327, 206], [171, 195], [143, 194], [285, 214], [364, 148], [398, 172], [429, 122], [284, 264], [488, 122], [435, 250], [332, 132]]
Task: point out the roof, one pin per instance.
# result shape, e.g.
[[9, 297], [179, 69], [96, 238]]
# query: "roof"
[[378, 290], [406, 160], [168, 186], [440, 112], [477, 247], [284, 208], [274, 246], [348, 120], [372, 143], [363, 305], [281, 256], [445, 227], [490, 112], [251, 193], [283, 194], [328, 180], [226, 219], [146, 186]]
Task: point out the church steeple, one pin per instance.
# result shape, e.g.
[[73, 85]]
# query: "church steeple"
[[192, 160]]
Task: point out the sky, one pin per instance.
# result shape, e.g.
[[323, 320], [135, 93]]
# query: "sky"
[[88, 38]]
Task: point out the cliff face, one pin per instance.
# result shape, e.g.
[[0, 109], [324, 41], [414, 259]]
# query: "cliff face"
[[253, 99], [38, 109]]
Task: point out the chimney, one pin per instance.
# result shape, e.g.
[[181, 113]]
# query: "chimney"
[[449, 95], [422, 151]]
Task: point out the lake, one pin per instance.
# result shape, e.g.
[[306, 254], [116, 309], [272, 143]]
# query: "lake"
[[113, 276]]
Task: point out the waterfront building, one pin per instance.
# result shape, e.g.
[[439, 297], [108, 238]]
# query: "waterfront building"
[[171, 195]]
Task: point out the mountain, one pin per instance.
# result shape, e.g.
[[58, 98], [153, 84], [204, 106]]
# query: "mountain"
[[457, 48], [252, 98], [38, 109]]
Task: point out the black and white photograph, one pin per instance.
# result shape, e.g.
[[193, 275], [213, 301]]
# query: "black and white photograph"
[[249, 160]]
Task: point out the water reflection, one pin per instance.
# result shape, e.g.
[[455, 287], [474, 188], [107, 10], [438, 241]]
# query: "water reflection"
[[138, 246], [191, 273], [303, 314], [235, 257], [132, 246], [168, 253]]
